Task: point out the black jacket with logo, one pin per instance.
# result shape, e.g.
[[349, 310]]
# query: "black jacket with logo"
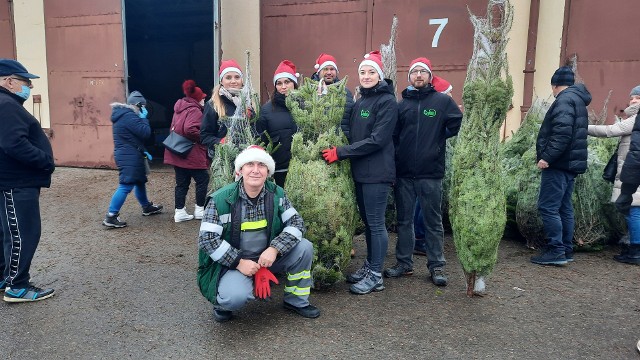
[[426, 118], [562, 140], [370, 133]]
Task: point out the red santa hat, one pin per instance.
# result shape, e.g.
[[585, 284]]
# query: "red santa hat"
[[286, 69], [229, 65], [373, 59], [253, 153], [190, 89], [325, 60], [441, 85], [421, 61]]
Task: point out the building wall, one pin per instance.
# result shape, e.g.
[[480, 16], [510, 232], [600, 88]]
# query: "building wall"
[[240, 31], [31, 52], [548, 46]]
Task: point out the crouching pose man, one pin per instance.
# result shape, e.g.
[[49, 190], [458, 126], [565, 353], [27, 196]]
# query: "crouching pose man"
[[249, 231]]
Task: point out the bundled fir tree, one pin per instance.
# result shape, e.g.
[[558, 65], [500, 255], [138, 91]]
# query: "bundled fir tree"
[[324, 195], [477, 197]]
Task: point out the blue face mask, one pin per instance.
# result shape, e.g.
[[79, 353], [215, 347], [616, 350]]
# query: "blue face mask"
[[143, 113], [25, 92]]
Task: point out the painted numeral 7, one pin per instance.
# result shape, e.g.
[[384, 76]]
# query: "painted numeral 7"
[[442, 23]]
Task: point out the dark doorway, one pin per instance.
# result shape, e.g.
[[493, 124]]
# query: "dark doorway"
[[168, 42]]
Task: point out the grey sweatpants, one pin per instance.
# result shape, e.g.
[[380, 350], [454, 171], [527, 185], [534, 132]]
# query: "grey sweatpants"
[[235, 289]]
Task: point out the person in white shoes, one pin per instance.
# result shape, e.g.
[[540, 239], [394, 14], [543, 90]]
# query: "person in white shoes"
[[187, 120]]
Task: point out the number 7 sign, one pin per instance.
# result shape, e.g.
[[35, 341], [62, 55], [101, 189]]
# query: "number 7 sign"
[[442, 23]]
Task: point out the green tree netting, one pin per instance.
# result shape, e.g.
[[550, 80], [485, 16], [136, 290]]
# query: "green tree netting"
[[477, 199], [323, 194]]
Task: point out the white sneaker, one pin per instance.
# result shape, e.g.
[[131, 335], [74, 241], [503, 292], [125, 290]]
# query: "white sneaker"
[[198, 213], [181, 215]]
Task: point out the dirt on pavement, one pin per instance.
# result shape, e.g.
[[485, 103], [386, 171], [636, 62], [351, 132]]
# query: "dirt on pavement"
[[132, 293]]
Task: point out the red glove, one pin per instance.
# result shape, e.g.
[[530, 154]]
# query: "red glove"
[[330, 155], [261, 282]]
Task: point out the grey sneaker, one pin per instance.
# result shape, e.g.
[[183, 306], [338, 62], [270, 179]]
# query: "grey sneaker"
[[438, 277], [360, 274], [398, 270], [113, 221], [29, 294], [371, 282], [151, 209]]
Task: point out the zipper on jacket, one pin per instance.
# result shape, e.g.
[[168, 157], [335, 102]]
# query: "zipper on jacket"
[[415, 153]]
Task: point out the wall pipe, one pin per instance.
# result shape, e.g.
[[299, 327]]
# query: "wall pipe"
[[530, 62]]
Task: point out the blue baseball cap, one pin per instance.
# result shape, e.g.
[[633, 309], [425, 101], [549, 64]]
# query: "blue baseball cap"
[[12, 67]]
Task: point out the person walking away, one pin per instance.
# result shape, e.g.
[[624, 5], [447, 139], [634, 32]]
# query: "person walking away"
[[561, 149], [187, 119], [130, 130], [26, 164], [371, 151], [276, 119]]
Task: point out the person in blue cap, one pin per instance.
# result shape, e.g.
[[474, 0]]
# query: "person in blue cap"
[[26, 164]]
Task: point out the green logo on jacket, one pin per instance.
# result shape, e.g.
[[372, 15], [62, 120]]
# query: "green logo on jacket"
[[429, 112], [364, 113]]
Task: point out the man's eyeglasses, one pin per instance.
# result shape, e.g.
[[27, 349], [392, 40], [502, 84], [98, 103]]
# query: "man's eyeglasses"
[[27, 81], [419, 72]]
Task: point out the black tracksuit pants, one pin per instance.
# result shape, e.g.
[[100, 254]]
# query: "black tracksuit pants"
[[20, 229], [183, 180]]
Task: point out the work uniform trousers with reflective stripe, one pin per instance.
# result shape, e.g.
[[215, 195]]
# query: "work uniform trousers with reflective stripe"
[[235, 289], [20, 230]]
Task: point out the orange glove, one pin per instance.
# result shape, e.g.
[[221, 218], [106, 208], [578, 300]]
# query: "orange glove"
[[330, 155], [261, 282]]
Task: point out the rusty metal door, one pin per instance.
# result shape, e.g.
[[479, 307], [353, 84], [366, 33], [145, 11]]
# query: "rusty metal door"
[[85, 56], [7, 43], [604, 39]]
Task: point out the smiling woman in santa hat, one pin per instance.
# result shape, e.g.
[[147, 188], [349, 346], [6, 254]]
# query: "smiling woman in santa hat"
[[276, 120], [225, 97], [371, 151]]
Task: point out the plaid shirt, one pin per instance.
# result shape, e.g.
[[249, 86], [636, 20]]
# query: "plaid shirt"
[[210, 241]]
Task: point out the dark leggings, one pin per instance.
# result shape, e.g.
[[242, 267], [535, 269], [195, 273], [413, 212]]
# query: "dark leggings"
[[183, 180]]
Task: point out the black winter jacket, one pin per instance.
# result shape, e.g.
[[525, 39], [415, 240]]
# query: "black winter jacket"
[[129, 135], [276, 119], [370, 133], [562, 140], [426, 118], [26, 158], [630, 174], [211, 130]]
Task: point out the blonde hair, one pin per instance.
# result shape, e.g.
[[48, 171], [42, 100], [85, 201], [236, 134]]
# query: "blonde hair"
[[216, 102]]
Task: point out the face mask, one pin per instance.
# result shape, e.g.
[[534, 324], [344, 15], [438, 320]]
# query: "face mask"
[[143, 113], [25, 92]]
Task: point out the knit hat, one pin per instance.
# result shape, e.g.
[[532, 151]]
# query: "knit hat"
[[12, 67], [421, 61], [325, 60], [441, 85], [254, 153], [563, 77], [229, 65], [286, 69], [136, 98], [635, 91], [373, 59], [190, 89]]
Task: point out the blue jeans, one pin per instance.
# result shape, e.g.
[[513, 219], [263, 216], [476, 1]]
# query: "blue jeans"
[[418, 222], [372, 205], [123, 190], [633, 223], [428, 192], [556, 209]]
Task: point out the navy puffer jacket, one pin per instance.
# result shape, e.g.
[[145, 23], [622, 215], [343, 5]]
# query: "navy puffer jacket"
[[129, 134], [562, 140]]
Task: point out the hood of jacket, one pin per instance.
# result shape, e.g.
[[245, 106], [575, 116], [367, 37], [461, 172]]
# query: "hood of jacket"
[[184, 104], [413, 93], [579, 90], [119, 109], [383, 87]]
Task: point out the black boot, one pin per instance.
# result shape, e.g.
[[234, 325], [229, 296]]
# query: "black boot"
[[631, 257], [624, 250]]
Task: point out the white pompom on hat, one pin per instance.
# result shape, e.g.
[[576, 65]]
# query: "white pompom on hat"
[[325, 60], [286, 69], [373, 59], [228, 66], [254, 153]]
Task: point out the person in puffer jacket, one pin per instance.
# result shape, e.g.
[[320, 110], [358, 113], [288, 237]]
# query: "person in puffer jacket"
[[371, 152], [561, 150], [130, 130]]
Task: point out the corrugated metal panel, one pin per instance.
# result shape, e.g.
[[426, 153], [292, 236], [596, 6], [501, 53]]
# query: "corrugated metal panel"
[[7, 45], [86, 73], [605, 43]]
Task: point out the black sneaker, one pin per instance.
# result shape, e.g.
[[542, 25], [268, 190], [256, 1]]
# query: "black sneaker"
[[569, 256], [151, 209], [398, 270], [222, 315], [548, 258], [309, 311], [438, 277], [113, 221], [28, 294]]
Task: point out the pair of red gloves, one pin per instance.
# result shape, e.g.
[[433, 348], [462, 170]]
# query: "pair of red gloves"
[[330, 155], [261, 284]]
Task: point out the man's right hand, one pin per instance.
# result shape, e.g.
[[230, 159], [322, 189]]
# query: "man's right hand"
[[248, 267]]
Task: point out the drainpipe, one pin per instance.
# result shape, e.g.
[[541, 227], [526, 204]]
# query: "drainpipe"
[[530, 64], [217, 41], [12, 28]]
